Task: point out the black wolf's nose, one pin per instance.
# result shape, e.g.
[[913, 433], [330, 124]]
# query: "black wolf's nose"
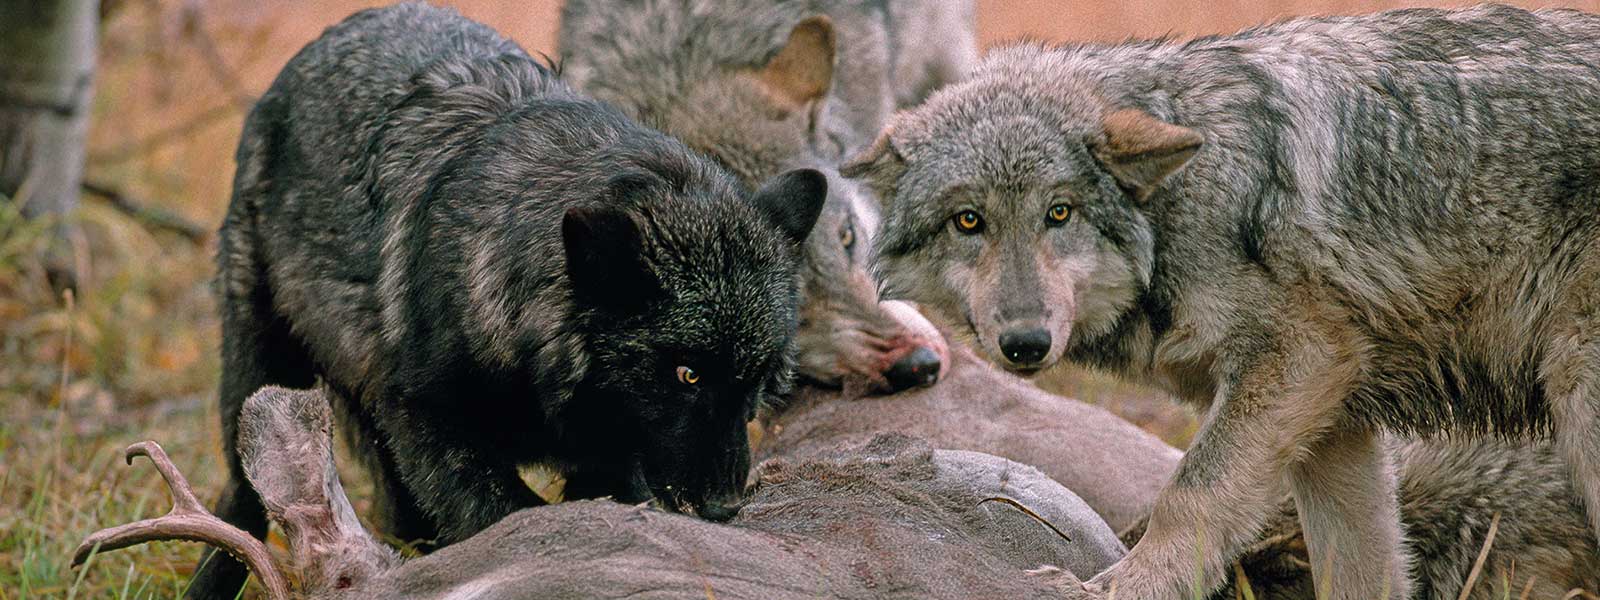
[[1025, 347], [718, 512], [920, 367]]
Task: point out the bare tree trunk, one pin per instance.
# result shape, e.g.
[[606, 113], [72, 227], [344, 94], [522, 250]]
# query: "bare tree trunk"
[[47, 55]]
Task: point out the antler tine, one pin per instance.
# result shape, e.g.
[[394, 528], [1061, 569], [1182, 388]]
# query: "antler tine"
[[188, 520], [182, 494]]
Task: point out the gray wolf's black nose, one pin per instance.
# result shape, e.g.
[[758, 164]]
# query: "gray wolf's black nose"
[[1025, 347], [920, 367]]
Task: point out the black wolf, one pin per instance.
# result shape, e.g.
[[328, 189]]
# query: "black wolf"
[[490, 270], [1315, 231]]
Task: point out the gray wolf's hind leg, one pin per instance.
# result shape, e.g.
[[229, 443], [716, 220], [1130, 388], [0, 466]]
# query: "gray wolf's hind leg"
[[1575, 413], [1345, 490]]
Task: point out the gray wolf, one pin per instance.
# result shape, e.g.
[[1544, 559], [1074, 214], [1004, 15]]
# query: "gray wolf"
[[1315, 232], [886, 519], [767, 86], [490, 270]]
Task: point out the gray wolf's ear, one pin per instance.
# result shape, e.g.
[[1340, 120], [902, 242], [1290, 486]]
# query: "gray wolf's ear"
[[880, 165], [1141, 150], [286, 445], [792, 201], [802, 72]]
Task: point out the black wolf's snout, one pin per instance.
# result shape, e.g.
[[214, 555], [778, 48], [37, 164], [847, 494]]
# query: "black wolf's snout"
[[1025, 347], [919, 368], [719, 512]]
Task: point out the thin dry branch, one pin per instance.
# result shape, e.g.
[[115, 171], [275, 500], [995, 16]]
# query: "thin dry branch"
[[1483, 554], [152, 217], [194, 28]]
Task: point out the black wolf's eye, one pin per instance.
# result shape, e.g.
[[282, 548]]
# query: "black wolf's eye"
[[847, 236], [968, 221], [1059, 214], [687, 376]]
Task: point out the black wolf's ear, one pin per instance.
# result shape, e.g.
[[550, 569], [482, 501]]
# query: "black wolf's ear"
[[605, 258], [802, 72], [879, 165], [1141, 150], [792, 201]]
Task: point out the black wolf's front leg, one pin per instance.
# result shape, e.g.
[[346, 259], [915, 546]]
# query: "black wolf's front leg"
[[456, 481]]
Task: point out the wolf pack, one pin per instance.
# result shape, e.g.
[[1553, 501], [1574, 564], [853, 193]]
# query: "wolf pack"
[[717, 249]]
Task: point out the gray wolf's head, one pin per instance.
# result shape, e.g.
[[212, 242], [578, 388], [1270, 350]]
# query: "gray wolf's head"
[[847, 336], [1013, 206]]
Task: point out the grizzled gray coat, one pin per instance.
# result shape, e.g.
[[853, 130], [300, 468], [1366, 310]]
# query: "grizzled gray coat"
[[1314, 231], [695, 68]]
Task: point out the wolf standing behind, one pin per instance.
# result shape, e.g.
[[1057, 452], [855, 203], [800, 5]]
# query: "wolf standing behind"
[[765, 86], [1315, 231], [757, 83], [490, 270]]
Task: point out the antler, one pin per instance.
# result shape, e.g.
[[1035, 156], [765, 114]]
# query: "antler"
[[187, 520]]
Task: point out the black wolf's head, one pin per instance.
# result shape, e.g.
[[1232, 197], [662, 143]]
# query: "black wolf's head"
[[689, 305], [1015, 206]]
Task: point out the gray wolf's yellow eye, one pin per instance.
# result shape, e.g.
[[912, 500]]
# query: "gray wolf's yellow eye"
[[968, 221], [847, 237], [1059, 213], [687, 376]]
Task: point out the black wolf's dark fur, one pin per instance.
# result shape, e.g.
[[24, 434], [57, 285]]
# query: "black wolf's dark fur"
[[491, 270]]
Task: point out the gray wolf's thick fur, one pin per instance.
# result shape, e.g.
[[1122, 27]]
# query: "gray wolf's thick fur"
[[699, 69], [1314, 231], [1450, 491], [766, 86], [490, 270]]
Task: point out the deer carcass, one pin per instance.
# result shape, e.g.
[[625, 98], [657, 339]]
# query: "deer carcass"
[[889, 518]]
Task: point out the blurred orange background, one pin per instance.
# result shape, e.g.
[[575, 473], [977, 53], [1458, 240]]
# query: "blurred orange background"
[[177, 76]]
